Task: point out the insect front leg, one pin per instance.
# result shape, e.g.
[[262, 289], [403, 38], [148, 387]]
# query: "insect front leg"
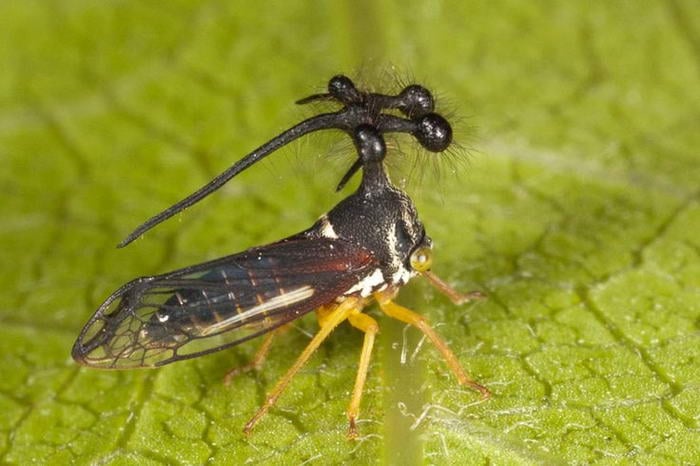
[[421, 261], [370, 328], [403, 314], [454, 295], [341, 313]]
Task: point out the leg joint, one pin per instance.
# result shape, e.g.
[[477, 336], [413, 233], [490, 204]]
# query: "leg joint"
[[363, 322]]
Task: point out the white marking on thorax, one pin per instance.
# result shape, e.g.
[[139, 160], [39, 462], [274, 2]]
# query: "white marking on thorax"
[[366, 285], [408, 217], [402, 276], [327, 228]]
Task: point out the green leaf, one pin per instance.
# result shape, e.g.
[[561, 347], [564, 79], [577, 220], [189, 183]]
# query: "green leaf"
[[578, 212]]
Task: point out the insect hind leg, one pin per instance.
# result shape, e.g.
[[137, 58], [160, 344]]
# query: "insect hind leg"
[[258, 358], [370, 328], [334, 318], [406, 315]]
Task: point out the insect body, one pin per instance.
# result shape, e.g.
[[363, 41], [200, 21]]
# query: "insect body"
[[364, 249]]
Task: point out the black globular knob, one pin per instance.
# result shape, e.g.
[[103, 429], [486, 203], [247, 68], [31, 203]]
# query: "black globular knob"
[[343, 89], [369, 143], [433, 132], [416, 101]]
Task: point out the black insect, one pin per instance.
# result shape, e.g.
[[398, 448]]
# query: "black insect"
[[364, 249]]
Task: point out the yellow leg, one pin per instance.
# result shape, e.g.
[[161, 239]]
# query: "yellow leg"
[[323, 312], [370, 328], [406, 315], [258, 358], [454, 295], [341, 312]]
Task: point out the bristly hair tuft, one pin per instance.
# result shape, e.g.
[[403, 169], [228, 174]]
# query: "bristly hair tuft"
[[417, 164], [408, 163]]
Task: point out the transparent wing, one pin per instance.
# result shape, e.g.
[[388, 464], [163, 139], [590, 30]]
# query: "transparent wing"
[[153, 321]]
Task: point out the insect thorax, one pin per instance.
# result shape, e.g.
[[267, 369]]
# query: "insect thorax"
[[384, 222]]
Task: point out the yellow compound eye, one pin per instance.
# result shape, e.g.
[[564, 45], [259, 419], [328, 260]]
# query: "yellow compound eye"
[[422, 259]]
